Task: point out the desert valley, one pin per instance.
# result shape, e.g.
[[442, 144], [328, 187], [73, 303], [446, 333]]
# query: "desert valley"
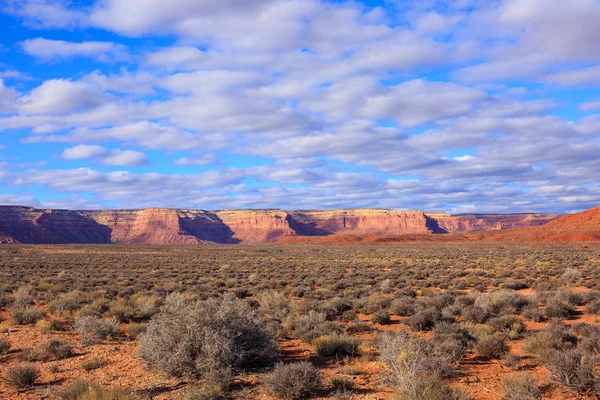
[[342, 304]]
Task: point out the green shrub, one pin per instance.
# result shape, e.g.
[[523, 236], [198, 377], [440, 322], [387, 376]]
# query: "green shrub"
[[543, 344], [516, 387], [492, 346], [336, 346], [295, 381]]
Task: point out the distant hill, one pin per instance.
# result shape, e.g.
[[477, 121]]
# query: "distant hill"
[[20, 224], [583, 227]]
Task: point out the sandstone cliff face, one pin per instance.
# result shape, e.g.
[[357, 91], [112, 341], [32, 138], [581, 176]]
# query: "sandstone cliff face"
[[28, 225], [447, 223], [170, 226], [257, 226], [360, 222], [148, 226]]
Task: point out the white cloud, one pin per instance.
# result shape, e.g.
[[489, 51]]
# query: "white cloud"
[[203, 160], [83, 151], [590, 106], [58, 96], [105, 156], [48, 50]]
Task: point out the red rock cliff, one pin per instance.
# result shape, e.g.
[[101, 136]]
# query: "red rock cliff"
[[171, 226], [485, 222]]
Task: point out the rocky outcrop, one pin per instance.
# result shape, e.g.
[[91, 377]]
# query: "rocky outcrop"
[[172, 226]]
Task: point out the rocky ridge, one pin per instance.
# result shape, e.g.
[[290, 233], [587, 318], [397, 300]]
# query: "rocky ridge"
[[20, 224]]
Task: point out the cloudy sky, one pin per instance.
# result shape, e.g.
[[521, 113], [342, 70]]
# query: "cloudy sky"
[[458, 106]]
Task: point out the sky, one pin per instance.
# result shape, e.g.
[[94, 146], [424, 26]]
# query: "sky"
[[463, 106]]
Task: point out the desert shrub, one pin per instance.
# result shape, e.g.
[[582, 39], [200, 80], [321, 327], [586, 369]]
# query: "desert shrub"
[[295, 381], [214, 339], [336, 307], [514, 285], [23, 315], [429, 386], [451, 341], [381, 317], [203, 391], [4, 346], [52, 350], [93, 363], [348, 316], [358, 326], [502, 302], [135, 330], [122, 310], [96, 308], [22, 297], [513, 326], [542, 345], [511, 360], [309, 326], [414, 368], [83, 390], [516, 387], [558, 309], [590, 343], [585, 329], [492, 346], [336, 346], [573, 368], [533, 312], [96, 328], [593, 307], [476, 314], [276, 305], [67, 302], [22, 376], [425, 319], [409, 359], [49, 325], [341, 384], [147, 306]]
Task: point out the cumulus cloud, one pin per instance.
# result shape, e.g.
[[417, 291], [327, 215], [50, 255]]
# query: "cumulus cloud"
[[203, 160], [48, 50], [58, 96], [105, 156]]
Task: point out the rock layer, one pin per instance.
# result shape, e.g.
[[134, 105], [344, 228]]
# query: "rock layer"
[[171, 226]]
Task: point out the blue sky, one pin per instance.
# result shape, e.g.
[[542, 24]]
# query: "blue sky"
[[457, 106]]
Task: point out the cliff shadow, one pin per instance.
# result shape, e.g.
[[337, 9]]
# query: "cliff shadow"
[[71, 227], [433, 225], [208, 227], [305, 228]]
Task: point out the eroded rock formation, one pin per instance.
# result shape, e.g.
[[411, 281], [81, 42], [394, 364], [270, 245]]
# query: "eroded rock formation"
[[170, 226]]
